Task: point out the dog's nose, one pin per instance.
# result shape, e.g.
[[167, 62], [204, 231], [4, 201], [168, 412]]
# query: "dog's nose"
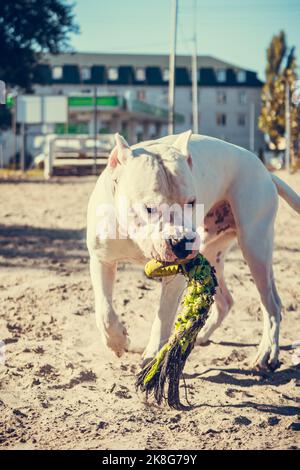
[[181, 247]]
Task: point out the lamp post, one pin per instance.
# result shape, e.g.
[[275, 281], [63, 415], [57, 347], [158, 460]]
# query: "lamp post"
[[252, 126], [287, 127], [95, 131], [195, 75], [172, 63]]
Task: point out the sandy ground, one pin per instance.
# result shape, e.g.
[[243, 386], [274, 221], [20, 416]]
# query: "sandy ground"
[[59, 389]]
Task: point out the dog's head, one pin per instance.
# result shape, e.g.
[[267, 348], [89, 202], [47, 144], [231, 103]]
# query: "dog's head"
[[155, 196]]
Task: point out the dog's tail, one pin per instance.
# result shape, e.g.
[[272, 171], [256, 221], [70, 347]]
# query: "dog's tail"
[[287, 193]]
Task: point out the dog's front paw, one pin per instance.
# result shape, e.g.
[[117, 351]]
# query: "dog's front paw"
[[149, 353], [202, 342], [145, 361], [115, 336], [203, 339]]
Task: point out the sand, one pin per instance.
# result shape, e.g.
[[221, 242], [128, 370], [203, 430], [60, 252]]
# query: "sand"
[[60, 389]]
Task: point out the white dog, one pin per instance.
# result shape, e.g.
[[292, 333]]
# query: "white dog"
[[240, 199]]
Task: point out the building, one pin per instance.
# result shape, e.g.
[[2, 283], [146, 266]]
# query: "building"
[[131, 93]]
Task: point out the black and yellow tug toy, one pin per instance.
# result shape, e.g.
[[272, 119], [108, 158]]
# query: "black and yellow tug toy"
[[165, 370]]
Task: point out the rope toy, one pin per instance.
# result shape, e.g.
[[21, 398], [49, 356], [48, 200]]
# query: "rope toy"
[[167, 366]]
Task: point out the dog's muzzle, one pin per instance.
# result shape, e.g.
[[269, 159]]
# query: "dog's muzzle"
[[181, 247]]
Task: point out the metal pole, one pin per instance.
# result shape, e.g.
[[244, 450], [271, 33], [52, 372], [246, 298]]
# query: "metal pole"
[[1, 153], [14, 126], [195, 75], [23, 147], [48, 160], [287, 127], [252, 127], [95, 131], [172, 63]]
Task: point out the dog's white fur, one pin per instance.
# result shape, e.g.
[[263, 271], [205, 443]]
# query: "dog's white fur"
[[177, 169]]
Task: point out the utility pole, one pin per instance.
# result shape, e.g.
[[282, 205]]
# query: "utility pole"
[[14, 129], [287, 127], [252, 127], [23, 147], [95, 131], [2, 102], [195, 75], [172, 63]]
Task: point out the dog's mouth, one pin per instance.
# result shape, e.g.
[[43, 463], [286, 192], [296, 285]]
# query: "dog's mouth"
[[188, 258]]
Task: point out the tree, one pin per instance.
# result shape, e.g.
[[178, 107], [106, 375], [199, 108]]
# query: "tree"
[[280, 70], [29, 28]]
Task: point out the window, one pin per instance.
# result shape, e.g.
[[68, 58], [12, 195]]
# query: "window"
[[242, 97], [141, 95], [221, 119], [221, 76], [166, 75], [57, 72], [85, 73], [241, 120], [221, 97], [241, 76], [140, 74], [113, 73]]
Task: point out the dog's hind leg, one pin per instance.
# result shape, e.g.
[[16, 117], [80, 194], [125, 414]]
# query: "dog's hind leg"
[[215, 252], [254, 205], [257, 248]]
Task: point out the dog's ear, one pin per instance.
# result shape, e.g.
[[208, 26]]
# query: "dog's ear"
[[120, 153], [182, 144]]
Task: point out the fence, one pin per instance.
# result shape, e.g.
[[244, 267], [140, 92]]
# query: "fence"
[[80, 154]]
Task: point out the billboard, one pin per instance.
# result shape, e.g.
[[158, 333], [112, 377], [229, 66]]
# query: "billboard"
[[2, 92], [33, 109], [54, 109], [29, 109]]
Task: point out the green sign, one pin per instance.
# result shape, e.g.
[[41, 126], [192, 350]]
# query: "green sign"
[[155, 111], [9, 101], [71, 128], [83, 101]]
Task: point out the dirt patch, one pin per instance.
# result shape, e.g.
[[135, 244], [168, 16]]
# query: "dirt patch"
[[60, 389]]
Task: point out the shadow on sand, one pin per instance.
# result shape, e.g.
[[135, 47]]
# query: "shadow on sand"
[[21, 245], [248, 378]]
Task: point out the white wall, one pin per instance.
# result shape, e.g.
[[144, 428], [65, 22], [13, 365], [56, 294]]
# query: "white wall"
[[208, 107]]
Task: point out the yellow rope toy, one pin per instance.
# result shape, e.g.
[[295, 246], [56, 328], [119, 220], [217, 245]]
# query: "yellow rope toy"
[[168, 364]]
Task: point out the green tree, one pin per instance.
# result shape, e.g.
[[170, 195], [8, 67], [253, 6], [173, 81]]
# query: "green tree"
[[280, 70], [27, 29]]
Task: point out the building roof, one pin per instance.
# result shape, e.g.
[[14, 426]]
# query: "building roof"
[[135, 60], [127, 64]]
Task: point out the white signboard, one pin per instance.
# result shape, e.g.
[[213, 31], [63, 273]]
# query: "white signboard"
[[33, 109], [2, 92], [29, 109], [55, 109]]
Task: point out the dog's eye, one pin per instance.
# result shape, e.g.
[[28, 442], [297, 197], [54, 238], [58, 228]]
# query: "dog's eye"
[[192, 202], [151, 210]]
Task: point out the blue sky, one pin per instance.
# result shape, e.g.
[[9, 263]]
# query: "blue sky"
[[235, 30]]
